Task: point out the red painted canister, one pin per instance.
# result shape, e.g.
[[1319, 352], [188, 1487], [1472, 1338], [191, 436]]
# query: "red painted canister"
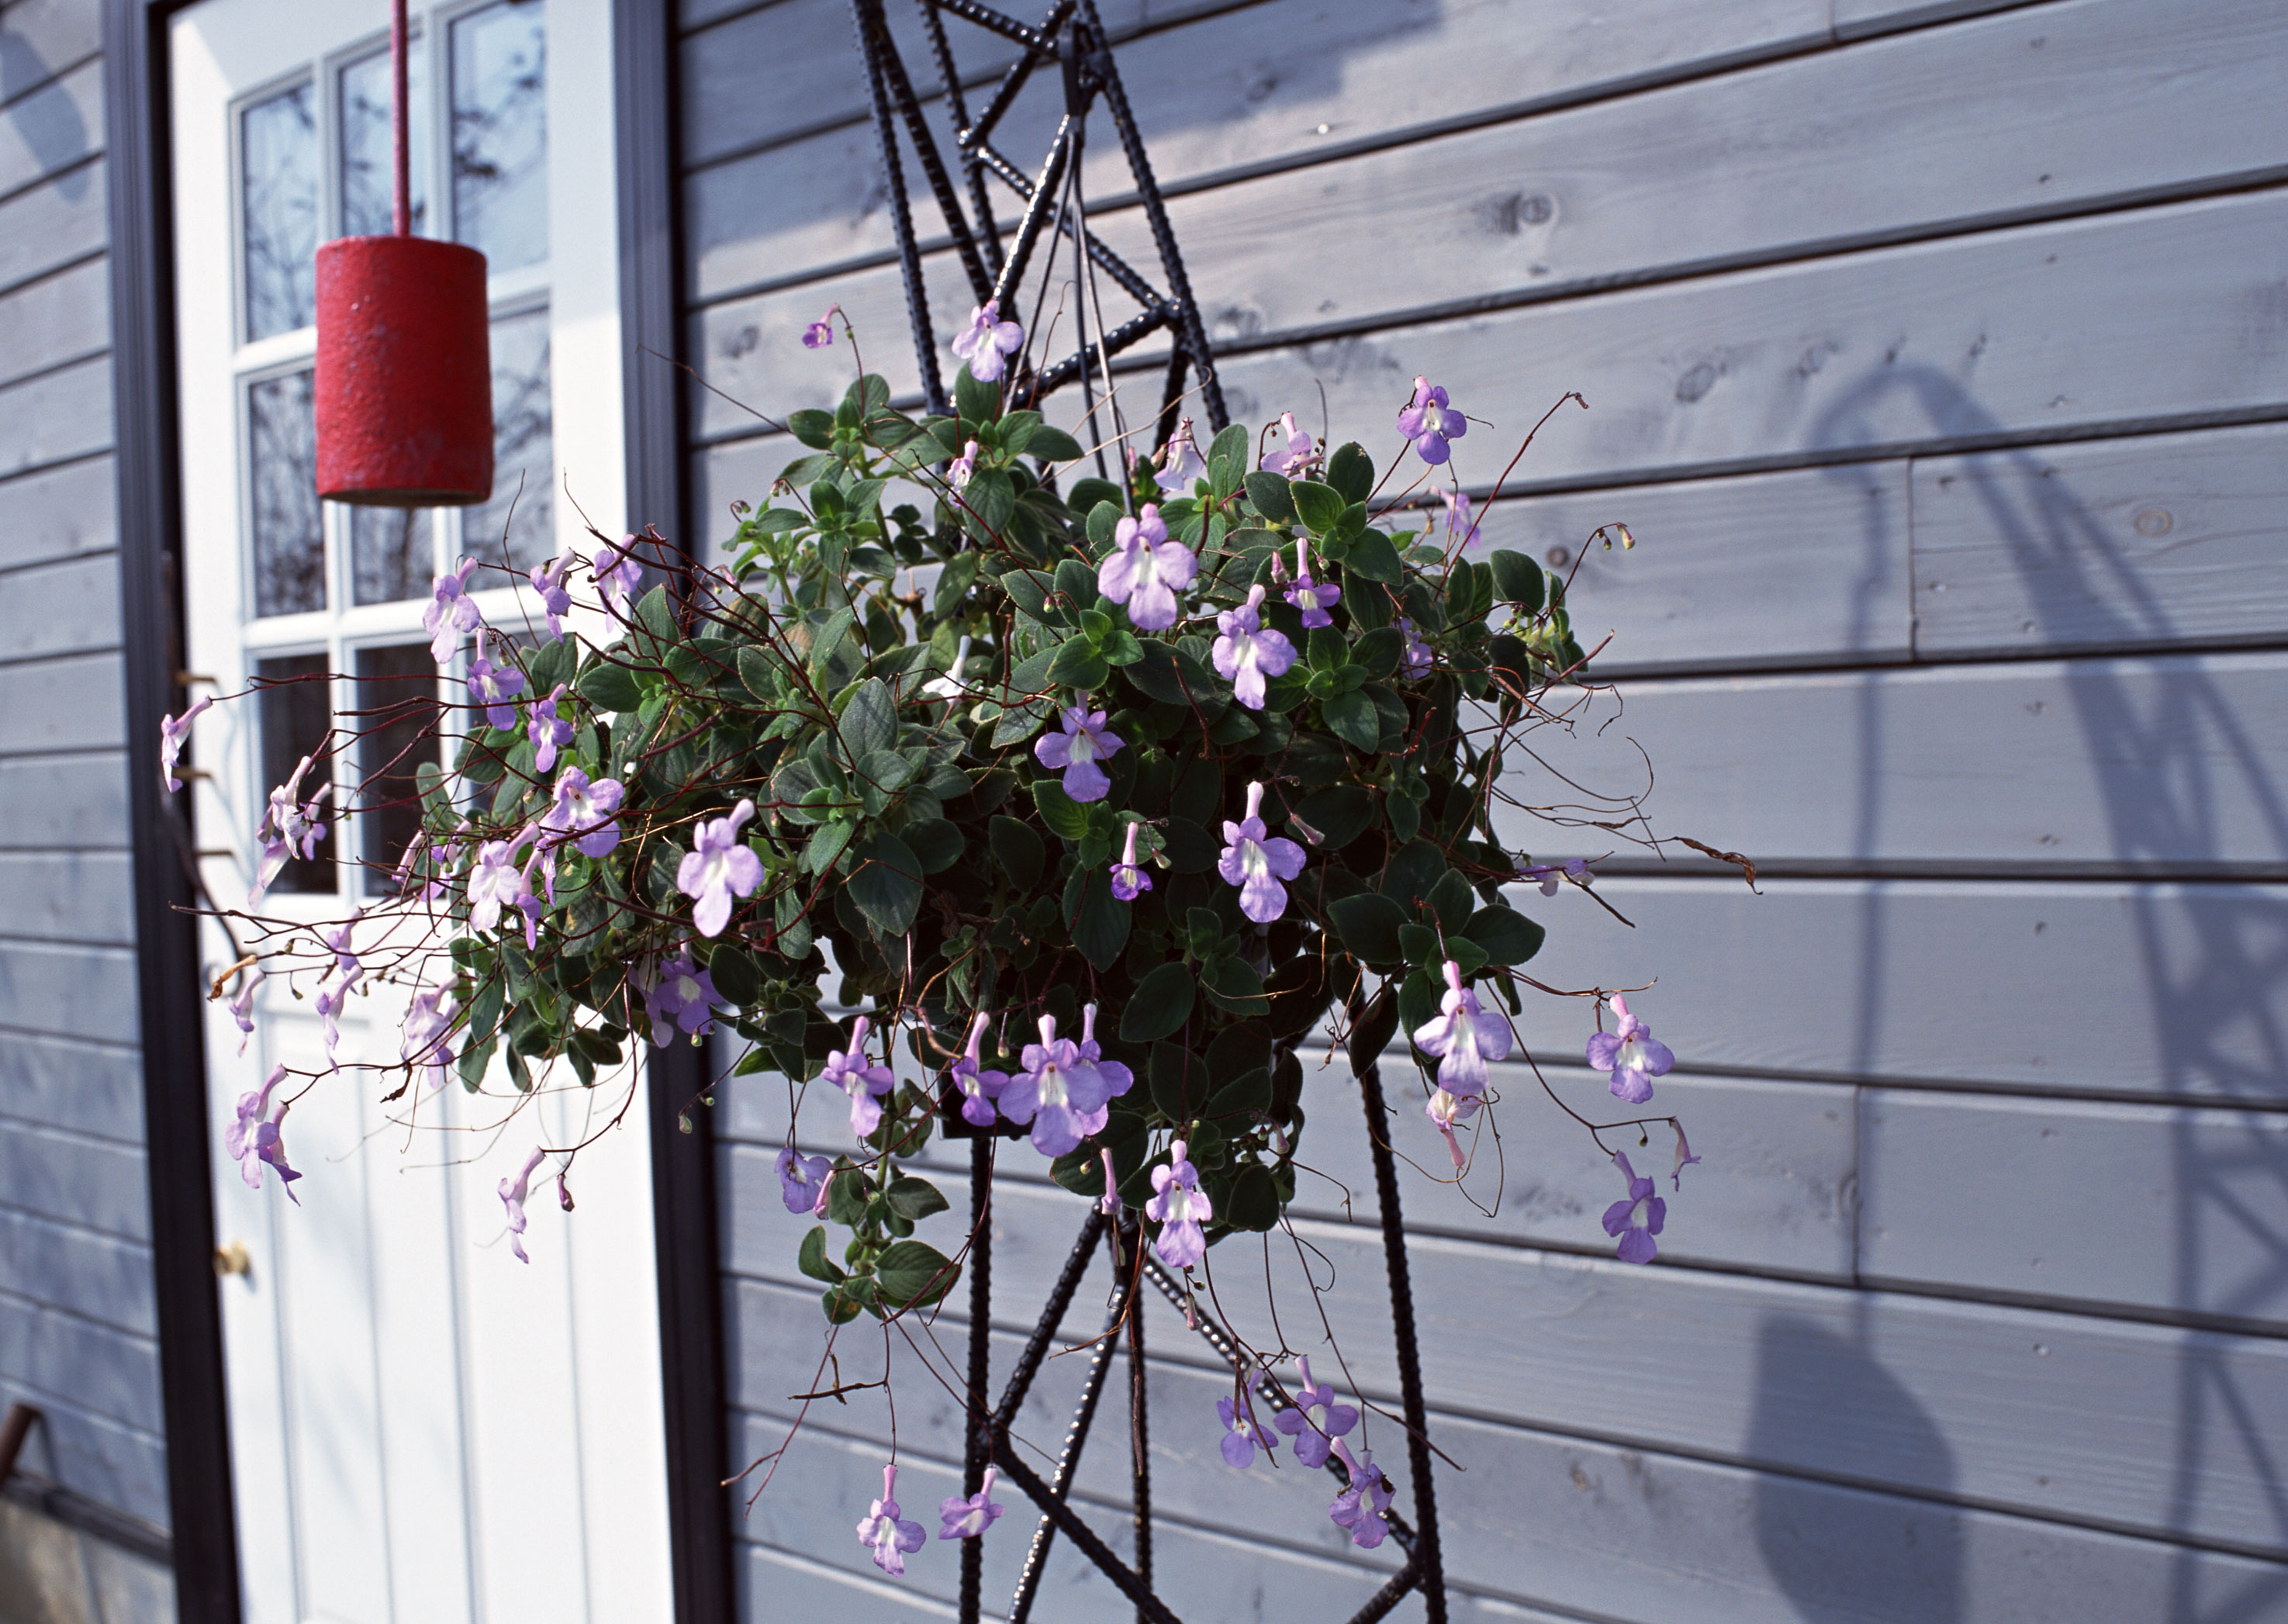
[[404, 384]]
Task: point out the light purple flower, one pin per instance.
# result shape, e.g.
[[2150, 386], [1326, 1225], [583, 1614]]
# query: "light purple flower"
[[1636, 1219], [681, 995], [495, 882], [1128, 879], [451, 611], [1179, 463], [548, 731], [1059, 1091], [1552, 874], [341, 979], [619, 573], [252, 1138], [173, 732], [1363, 1508], [241, 1008], [1459, 525], [1117, 1078], [1316, 1421], [1308, 594], [718, 868], [1429, 421], [290, 827], [1179, 1206], [1085, 743], [819, 333], [1296, 456], [987, 340], [492, 686], [965, 1519], [555, 599], [1684, 1156], [802, 1181], [978, 1086], [1417, 657], [424, 1046], [963, 468], [893, 1539], [513, 1194], [582, 813], [847, 1069], [1244, 1435], [1445, 1109], [1256, 861], [1145, 570], [1249, 651], [1463, 1038], [1108, 1203], [1630, 1053]]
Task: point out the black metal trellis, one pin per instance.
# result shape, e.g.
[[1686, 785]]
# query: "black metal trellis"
[[1070, 38]]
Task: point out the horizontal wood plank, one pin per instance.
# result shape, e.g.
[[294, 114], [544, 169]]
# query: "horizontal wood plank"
[[2160, 766], [61, 512], [60, 317], [94, 1455], [2127, 543], [91, 1182], [67, 896], [51, 128], [79, 604], [72, 703], [69, 991], [94, 1089], [56, 417], [47, 36], [52, 224], [110, 1371], [1858, 18], [97, 1277], [74, 801]]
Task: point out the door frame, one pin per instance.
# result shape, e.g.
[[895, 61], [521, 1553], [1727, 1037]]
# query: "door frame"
[[201, 1496]]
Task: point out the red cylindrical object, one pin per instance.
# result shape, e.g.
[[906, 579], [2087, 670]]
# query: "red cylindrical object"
[[404, 384]]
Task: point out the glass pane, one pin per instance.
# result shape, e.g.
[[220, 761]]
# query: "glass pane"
[[290, 543], [518, 527], [500, 132], [391, 557], [396, 695], [295, 714], [279, 149], [369, 153]]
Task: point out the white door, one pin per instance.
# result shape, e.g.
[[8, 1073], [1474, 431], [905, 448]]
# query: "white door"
[[423, 1429]]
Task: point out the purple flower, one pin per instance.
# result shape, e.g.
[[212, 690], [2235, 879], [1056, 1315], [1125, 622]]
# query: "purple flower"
[[718, 868], [1179, 463], [1117, 1078], [1458, 522], [619, 574], [497, 882], [290, 827], [1630, 1053], [1463, 1038], [493, 685], [1178, 1207], [1244, 1435], [1077, 750], [978, 1086], [1636, 1219], [1417, 653], [450, 612], [893, 1540], [1129, 881], [802, 1181], [1363, 1506], [582, 813], [252, 1139], [334, 992], [963, 468], [986, 341], [1429, 421], [819, 333], [428, 1025], [1551, 874], [1445, 1109], [1316, 1421], [847, 1069], [1308, 594], [1296, 456], [548, 731], [1257, 861], [1684, 1156], [555, 600], [173, 730], [1248, 651], [682, 996], [513, 1194], [1145, 570], [965, 1519], [1060, 1091], [241, 1008], [1108, 1203]]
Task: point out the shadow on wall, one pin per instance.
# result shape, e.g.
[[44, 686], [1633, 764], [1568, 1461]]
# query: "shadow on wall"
[[49, 124]]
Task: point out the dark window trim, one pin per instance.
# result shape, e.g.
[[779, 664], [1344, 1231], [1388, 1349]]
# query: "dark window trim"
[[201, 1504]]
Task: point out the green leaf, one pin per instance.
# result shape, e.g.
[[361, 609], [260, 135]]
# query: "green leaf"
[[736, 974], [1319, 506], [1377, 652], [1098, 919], [610, 688], [935, 842], [1027, 589], [953, 581], [1372, 558], [913, 1271], [869, 720], [1452, 900], [1244, 1096], [1269, 494], [978, 402], [1369, 603], [989, 498], [1180, 1082], [813, 427], [1507, 936], [1374, 1029], [885, 885], [1418, 998], [1339, 813], [1052, 445], [1351, 717], [1018, 851], [1414, 868], [1067, 818], [758, 673], [812, 1258], [1369, 925], [1161, 1003], [1087, 496], [1078, 665], [1076, 581], [914, 1199], [1517, 579], [1253, 1203], [1351, 471], [1234, 985], [1189, 847]]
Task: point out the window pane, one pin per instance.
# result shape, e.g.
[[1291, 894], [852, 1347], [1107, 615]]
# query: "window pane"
[[391, 557], [369, 153], [518, 527], [295, 714], [500, 132], [279, 149], [396, 695], [290, 543]]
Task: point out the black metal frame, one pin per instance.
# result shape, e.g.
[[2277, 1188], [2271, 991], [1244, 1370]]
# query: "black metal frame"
[[1070, 38]]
